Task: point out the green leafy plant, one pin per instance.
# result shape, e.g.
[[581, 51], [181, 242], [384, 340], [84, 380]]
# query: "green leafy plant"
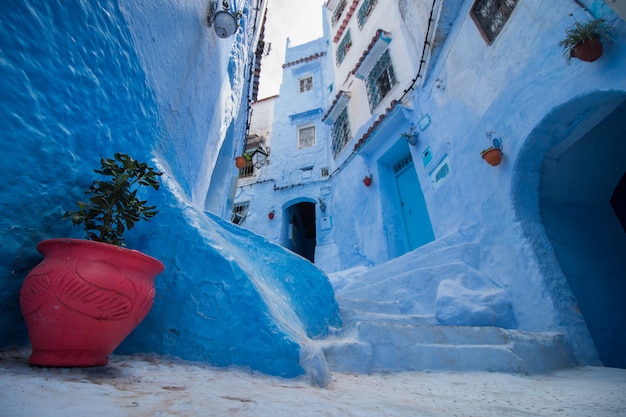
[[113, 206], [578, 32]]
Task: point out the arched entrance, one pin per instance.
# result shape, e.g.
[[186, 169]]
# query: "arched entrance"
[[572, 213], [300, 229]]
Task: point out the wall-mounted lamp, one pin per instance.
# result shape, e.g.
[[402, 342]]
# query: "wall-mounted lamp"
[[411, 137], [259, 156], [322, 205], [224, 22]]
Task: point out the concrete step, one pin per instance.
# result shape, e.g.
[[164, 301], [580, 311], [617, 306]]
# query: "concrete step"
[[432, 255], [364, 310], [369, 347], [413, 292]]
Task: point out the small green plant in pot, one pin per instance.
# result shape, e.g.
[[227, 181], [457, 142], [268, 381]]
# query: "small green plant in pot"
[[95, 290], [584, 40], [113, 206]]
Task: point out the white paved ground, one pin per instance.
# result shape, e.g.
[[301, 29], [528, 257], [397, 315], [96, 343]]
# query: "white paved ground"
[[145, 385]]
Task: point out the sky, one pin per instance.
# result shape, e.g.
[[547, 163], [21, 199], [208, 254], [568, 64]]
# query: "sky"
[[298, 20]]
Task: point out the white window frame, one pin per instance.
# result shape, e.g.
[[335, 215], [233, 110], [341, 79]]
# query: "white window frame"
[[300, 84], [240, 212], [382, 71], [341, 132], [306, 127]]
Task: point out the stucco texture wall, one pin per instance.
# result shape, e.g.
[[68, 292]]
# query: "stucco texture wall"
[[521, 87], [81, 81]]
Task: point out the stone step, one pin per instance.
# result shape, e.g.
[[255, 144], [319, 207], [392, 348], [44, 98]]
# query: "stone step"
[[432, 255], [369, 347], [353, 311], [413, 292], [423, 279]]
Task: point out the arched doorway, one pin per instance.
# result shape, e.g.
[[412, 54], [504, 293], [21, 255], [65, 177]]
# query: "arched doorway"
[[301, 236], [564, 160]]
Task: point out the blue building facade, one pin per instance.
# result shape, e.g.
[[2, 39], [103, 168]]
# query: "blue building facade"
[[416, 92], [439, 247], [83, 80]]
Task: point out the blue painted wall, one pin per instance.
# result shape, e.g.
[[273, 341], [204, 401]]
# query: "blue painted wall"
[[82, 80], [72, 90]]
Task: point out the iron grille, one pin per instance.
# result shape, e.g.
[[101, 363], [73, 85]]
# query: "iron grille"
[[240, 211], [246, 171], [403, 162], [364, 11], [338, 11], [380, 80], [344, 47], [491, 15], [341, 132], [306, 84]]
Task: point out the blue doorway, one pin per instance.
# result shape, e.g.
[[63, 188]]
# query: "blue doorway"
[[417, 225]]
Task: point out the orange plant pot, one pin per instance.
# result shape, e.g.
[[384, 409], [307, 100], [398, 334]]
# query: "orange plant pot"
[[240, 162], [588, 50], [492, 156]]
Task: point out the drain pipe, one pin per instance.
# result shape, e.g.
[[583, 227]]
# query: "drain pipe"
[[422, 61]]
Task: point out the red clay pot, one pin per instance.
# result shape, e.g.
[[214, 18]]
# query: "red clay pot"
[[270, 215], [367, 181], [493, 156], [83, 299], [240, 162], [588, 50]]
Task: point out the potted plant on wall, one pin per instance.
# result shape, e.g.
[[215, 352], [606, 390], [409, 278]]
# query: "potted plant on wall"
[[493, 154], [86, 296], [367, 180], [271, 214], [583, 40], [242, 161]]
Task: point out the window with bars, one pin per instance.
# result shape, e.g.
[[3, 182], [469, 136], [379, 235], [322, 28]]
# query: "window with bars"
[[338, 11], [402, 162], [306, 137], [380, 80], [240, 211], [364, 11], [343, 47], [306, 84], [246, 171], [490, 16], [341, 132]]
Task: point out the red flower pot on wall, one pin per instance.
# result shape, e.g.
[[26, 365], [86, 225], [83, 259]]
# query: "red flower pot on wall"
[[367, 181], [240, 162], [270, 214], [588, 50], [83, 299], [493, 156]]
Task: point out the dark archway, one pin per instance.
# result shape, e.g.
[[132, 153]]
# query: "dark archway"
[[301, 236], [570, 221]]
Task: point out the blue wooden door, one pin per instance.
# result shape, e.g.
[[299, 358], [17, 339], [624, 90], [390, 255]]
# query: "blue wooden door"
[[418, 228]]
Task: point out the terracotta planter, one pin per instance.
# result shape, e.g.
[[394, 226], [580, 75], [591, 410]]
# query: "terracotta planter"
[[492, 156], [588, 50], [83, 299], [367, 181], [240, 162], [270, 215]]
